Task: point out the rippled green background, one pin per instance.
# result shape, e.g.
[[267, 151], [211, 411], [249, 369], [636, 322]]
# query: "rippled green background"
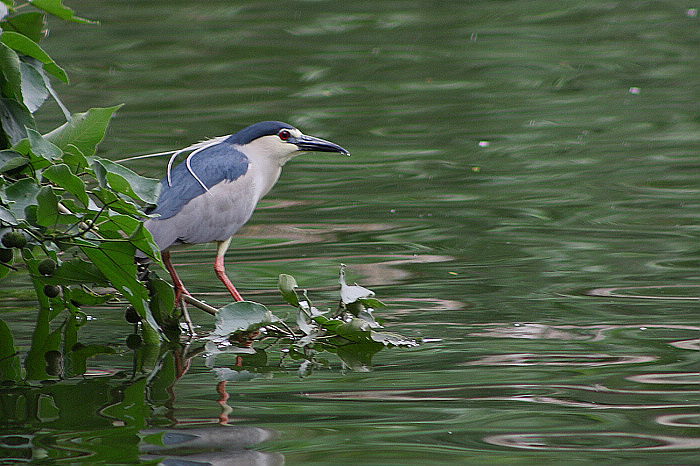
[[523, 191]]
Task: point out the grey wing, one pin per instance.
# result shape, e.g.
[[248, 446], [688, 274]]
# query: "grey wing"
[[189, 214], [215, 215]]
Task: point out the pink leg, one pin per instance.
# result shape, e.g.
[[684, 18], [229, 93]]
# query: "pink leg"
[[177, 283], [221, 273]]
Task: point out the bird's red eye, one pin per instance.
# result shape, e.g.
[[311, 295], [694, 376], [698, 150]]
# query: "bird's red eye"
[[284, 135]]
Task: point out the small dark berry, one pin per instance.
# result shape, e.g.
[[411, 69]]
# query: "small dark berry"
[[47, 267], [131, 315], [77, 347], [6, 255], [52, 290], [14, 239], [133, 341]]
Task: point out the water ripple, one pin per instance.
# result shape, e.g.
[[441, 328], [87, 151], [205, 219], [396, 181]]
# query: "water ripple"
[[598, 441], [531, 359], [628, 292], [680, 420]]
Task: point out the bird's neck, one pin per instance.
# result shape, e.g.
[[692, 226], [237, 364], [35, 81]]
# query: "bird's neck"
[[266, 171]]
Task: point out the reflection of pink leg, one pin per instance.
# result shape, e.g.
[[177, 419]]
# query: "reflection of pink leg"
[[225, 408], [221, 271], [179, 290], [177, 283]]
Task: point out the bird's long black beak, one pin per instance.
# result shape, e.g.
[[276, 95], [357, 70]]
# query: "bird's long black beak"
[[310, 143]]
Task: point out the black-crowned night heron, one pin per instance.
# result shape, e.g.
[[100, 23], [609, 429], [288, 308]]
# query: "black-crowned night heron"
[[209, 196]]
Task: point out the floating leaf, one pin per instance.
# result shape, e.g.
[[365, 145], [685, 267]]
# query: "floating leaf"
[[372, 303], [352, 293], [358, 356], [287, 285], [392, 339], [243, 316]]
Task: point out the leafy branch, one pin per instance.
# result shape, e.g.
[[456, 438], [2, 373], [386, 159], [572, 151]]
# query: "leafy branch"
[[350, 331], [70, 218]]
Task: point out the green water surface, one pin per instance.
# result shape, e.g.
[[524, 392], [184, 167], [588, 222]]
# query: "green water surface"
[[523, 193]]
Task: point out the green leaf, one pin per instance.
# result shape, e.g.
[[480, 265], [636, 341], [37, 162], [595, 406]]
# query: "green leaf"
[[43, 82], [162, 300], [63, 177], [47, 213], [9, 357], [287, 285], [75, 159], [41, 147], [120, 226], [26, 46], [32, 25], [125, 181], [34, 361], [56, 8], [89, 298], [41, 153], [7, 216], [392, 339], [85, 130], [22, 194], [116, 203], [77, 359], [143, 240], [77, 271], [115, 259], [15, 118], [34, 91], [352, 293], [358, 356], [9, 160], [242, 316], [10, 70], [372, 303]]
